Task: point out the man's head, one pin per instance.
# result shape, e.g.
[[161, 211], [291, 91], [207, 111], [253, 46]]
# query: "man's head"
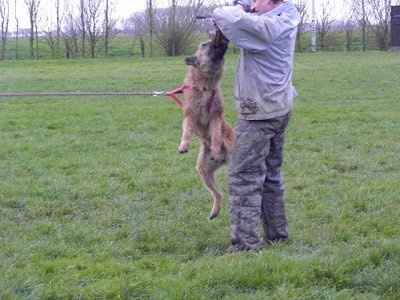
[[264, 6]]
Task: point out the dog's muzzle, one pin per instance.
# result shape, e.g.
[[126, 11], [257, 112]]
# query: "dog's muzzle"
[[219, 38]]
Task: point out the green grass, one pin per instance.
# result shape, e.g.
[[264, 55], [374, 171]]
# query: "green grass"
[[96, 203], [124, 46], [120, 46]]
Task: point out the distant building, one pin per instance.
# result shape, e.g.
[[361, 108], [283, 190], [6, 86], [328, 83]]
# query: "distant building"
[[24, 32], [395, 27]]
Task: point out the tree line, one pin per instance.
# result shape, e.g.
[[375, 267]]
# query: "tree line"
[[83, 29], [370, 17], [87, 28]]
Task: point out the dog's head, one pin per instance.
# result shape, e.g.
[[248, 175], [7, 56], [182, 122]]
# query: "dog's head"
[[207, 53]]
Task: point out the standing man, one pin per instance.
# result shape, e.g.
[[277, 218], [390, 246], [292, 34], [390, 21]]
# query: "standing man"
[[264, 99]]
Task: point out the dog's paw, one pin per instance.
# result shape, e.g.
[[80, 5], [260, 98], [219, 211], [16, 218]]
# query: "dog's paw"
[[213, 214], [183, 149]]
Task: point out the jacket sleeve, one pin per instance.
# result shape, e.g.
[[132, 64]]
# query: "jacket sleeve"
[[249, 31]]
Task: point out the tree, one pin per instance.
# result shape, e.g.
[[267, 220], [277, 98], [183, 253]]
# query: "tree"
[[374, 18], [175, 26], [58, 29], [302, 8], [142, 48], [71, 34], [324, 23], [33, 10], [348, 26], [138, 25], [4, 21], [97, 25], [349, 29], [109, 25], [82, 14], [17, 31], [52, 36], [92, 19], [359, 8], [380, 13], [150, 13]]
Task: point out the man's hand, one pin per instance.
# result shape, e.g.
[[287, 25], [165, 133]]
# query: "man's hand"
[[243, 4]]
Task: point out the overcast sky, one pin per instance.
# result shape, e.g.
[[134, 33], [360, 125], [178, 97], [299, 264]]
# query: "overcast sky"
[[124, 8]]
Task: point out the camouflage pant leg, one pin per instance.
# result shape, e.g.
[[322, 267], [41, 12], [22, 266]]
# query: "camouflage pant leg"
[[247, 174], [273, 214]]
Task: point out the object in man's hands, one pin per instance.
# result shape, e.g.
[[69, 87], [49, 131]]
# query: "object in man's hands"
[[219, 38]]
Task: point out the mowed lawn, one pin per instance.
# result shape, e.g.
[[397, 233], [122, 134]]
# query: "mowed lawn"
[[97, 203]]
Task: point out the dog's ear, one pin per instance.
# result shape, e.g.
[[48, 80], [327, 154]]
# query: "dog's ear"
[[192, 61]]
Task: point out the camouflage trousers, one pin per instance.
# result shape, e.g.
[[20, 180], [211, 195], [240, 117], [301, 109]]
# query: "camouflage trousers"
[[256, 190]]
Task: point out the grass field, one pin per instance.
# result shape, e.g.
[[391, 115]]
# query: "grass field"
[[96, 202]]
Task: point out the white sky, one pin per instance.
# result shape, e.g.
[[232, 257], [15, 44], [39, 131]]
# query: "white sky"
[[124, 8]]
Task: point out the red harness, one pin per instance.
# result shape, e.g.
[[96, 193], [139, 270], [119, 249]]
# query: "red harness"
[[183, 87]]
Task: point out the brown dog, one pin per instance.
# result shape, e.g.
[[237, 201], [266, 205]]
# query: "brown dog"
[[203, 114]]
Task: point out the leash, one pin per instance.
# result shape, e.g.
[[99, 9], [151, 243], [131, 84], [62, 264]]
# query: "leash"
[[75, 94], [183, 87], [172, 94], [179, 90]]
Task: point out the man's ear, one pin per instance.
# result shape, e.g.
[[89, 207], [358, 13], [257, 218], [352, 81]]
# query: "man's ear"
[[192, 61]]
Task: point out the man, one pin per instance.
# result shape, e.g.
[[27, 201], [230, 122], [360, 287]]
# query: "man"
[[264, 99]]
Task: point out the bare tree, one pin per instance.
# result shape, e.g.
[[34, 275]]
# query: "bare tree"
[[380, 13], [93, 24], [364, 21], [71, 34], [176, 25], [151, 22], [4, 21], [53, 31], [324, 23], [33, 10], [359, 8], [138, 26], [82, 24], [58, 29], [374, 18], [302, 8], [142, 48], [97, 25], [348, 26], [109, 25], [349, 30], [17, 31]]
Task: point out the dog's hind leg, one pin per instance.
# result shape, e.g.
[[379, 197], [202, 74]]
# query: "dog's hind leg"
[[206, 168], [186, 135], [216, 139]]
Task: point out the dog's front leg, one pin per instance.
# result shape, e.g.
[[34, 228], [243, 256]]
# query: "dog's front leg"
[[216, 139], [186, 135]]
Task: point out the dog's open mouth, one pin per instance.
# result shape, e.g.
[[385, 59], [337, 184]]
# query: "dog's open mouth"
[[219, 39]]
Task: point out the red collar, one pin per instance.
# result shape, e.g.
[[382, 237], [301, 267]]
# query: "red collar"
[[183, 87]]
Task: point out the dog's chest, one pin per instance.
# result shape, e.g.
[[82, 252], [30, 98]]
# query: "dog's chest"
[[201, 105]]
